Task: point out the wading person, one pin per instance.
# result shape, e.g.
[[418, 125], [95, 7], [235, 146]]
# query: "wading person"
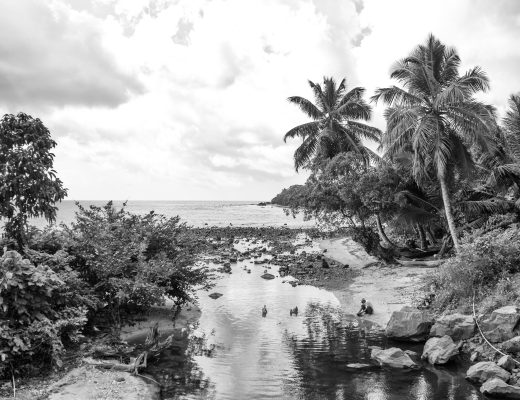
[[366, 308]]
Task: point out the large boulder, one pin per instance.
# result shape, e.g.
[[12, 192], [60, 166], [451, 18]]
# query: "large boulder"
[[392, 357], [512, 345], [498, 388], [409, 324], [500, 325], [457, 326], [486, 370], [440, 350]]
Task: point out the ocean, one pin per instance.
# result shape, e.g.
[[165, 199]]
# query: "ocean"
[[195, 213]]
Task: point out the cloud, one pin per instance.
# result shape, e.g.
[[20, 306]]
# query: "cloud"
[[186, 99], [54, 56]]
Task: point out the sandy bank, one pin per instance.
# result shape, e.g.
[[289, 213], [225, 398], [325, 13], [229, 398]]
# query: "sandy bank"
[[388, 288]]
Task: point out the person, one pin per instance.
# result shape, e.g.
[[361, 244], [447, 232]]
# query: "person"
[[366, 308], [293, 311], [264, 311]]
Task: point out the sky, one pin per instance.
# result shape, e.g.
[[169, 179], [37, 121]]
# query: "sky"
[[187, 99]]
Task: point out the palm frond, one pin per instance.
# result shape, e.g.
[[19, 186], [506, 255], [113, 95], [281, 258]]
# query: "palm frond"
[[307, 107], [303, 131]]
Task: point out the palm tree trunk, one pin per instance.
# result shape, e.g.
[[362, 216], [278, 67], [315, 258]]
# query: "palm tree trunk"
[[382, 233], [422, 237], [449, 214]]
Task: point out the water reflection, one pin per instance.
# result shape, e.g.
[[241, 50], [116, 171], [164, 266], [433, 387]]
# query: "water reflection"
[[284, 357]]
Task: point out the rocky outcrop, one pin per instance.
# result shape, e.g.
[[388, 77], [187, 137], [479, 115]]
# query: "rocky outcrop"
[[409, 324], [392, 357], [512, 345], [500, 325], [486, 370], [457, 326], [498, 388], [440, 350]]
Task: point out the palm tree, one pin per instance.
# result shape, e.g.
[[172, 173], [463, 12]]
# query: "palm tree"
[[436, 117], [335, 125]]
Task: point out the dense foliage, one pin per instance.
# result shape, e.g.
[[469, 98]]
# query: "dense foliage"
[[39, 313], [100, 271], [448, 167], [29, 186], [484, 272]]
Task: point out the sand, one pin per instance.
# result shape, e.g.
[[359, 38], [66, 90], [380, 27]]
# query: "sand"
[[388, 288]]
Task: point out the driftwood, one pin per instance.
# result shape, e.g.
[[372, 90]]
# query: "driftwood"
[[420, 263], [133, 367]]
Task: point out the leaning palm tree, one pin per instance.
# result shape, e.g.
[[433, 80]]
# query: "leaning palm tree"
[[335, 125], [435, 115]]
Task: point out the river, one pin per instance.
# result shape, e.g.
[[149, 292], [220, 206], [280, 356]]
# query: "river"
[[292, 357]]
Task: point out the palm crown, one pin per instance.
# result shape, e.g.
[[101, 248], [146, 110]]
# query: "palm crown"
[[335, 125]]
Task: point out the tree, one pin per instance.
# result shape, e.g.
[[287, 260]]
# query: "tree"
[[436, 116], [335, 125], [29, 186]]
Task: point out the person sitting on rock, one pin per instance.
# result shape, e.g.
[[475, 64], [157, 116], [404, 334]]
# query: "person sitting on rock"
[[264, 311], [366, 308]]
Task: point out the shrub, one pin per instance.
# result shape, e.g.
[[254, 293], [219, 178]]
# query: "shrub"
[[484, 269], [132, 261], [35, 318]]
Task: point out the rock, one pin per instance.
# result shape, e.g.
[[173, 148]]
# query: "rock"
[[507, 363], [474, 356], [485, 370], [267, 276], [498, 388], [457, 326], [360, 366], [500, 325], [512, 345], [215, 295], [393, 357], [409, 324], [439, 350]]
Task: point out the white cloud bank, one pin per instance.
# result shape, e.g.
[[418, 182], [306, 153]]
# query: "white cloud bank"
[[186, 99]]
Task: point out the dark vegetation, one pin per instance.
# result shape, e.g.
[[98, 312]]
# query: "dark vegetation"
[[447, 181], [62, 283]]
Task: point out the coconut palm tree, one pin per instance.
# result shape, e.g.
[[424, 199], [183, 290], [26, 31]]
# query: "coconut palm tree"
[[335, 125], [436, 116]]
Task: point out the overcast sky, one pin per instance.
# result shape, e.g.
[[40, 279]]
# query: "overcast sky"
[[186, 100]]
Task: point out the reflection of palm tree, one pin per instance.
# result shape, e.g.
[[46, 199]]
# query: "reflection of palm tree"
[[436, 116], [335, 125]]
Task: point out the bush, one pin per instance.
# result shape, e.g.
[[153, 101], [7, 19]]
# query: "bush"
[[485, 270], [133, 262], [35, 318]]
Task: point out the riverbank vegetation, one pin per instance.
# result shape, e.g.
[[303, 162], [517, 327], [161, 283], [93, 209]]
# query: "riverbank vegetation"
[[443, 179]]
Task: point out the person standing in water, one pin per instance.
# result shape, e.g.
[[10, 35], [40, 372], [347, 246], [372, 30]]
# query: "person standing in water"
[[366, 308], [264, 311]]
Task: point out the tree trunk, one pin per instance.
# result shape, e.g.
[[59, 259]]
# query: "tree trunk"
[[382, 233], [422, 237], [431, 238], [449, 215]]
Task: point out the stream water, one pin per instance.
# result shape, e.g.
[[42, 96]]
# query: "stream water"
[[298, 357]]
